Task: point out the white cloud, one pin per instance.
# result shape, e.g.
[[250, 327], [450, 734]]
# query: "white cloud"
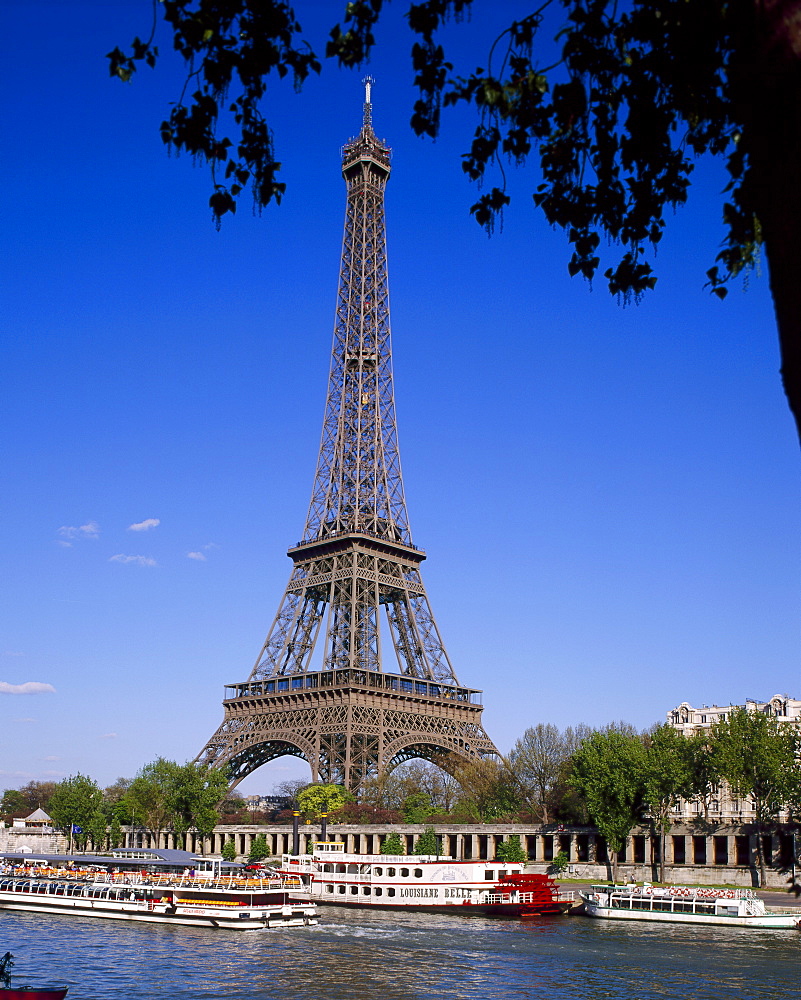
[[25, 720], [137, 560], [51, 759], [196, 555], [29, 687], [146, 525], [12, 652], [89, 530], [109, 736]]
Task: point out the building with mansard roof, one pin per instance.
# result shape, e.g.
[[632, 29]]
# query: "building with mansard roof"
[[723, 805]]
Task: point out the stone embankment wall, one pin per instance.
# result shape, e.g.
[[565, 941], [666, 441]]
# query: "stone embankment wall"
[[693, 854]]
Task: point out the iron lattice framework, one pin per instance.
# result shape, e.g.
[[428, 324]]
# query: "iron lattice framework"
[[342, 712]]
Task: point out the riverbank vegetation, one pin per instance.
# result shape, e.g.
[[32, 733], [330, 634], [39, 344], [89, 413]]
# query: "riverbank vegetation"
[[612, 778]]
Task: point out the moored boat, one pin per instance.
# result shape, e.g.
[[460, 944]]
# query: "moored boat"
[[687, 905], [25, 992], [424, 882], [277, 902]]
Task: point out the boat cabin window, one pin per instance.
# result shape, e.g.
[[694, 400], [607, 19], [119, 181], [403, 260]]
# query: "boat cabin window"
[[340, 869], [341, 889], [328, 868], [489, 876], [391, 872], [378, 871], [502, 873], [366, 890], [390, 892], [354, 890], [379, 891], [418, 873], [353, 869], [329, 887], [404, 872]]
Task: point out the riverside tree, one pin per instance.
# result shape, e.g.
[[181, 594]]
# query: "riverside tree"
[[540, 762], [313, 800], [758, 756], [74, 804], [427, 842], [668, 778], [393, 844], [169, 796], [610, 103], [607, 770], [510, 851]]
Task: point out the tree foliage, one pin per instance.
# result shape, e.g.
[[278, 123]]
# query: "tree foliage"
[[609, 103], [169, 796], [316, 799], [667, 778], [539, 762], [510, 851], [417, 807], [393, 844], [758, 756], [74, 804], [607, 770], [389, 790], [229, 851], [427, 842], [258, 849]]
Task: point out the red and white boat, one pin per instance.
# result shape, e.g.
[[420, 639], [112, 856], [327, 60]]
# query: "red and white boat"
[[424, 882]]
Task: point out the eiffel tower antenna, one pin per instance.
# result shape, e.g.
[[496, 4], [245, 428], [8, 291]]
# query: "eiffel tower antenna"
[[321, 688]]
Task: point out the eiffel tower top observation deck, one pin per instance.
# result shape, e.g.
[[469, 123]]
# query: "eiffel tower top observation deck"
[[341, 709]]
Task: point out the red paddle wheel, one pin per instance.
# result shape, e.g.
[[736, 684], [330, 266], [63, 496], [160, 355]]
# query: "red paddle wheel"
[[537, 895]]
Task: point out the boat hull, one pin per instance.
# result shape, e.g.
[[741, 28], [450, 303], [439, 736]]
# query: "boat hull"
[[769, 920], [234, 911], [53, 994]]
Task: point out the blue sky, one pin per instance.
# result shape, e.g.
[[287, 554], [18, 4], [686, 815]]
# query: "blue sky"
[[608, 497]]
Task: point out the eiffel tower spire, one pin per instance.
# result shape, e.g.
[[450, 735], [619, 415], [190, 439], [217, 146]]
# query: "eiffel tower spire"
[[321, 688]]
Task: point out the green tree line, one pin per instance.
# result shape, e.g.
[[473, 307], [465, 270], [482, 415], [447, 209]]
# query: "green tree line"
[[613, 778], [164, 795]]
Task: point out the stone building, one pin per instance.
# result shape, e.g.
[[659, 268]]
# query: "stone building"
[[723, 806]]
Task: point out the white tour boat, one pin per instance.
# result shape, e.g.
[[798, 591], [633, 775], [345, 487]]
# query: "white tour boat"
[[424, 882], [264, 903], [685, 904]]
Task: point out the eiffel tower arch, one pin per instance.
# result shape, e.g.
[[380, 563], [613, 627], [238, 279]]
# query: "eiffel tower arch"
[[324, 686]]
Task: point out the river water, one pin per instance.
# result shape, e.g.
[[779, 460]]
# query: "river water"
[[361, 955]]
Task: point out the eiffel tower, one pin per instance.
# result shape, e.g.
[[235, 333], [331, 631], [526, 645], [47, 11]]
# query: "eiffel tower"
[[345, 711]]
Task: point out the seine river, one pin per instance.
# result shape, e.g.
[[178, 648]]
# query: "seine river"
[[358, 955]]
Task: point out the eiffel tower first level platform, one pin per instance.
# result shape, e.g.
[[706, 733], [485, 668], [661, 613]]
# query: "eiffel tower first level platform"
[[331, 685]]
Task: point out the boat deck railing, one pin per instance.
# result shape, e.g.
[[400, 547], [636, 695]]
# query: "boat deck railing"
[[173, 881], [529, 898]]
